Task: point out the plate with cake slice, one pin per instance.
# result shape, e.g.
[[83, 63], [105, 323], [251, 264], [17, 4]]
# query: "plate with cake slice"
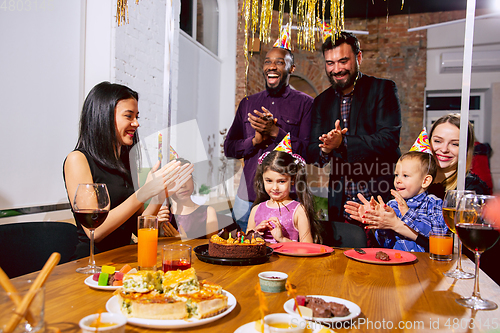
[[328, 309], [381, 256], [297, 249]]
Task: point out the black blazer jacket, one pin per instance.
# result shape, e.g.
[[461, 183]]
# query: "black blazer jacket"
[[372, 145]]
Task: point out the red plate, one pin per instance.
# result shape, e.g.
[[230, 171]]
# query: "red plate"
[[297, 249], [369, 257]]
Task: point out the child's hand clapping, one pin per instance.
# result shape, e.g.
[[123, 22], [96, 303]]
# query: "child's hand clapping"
[[403, 207], [357, 210], [384, 217]]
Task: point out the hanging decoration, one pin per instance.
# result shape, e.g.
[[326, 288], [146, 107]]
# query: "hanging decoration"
[[310, 15], [122, 11]]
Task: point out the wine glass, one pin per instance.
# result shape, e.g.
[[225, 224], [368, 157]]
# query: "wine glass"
[[450, 203], [90, 208], [479, 235]]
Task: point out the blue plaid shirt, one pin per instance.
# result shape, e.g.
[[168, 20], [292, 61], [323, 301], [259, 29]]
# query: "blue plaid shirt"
[[424, 215]]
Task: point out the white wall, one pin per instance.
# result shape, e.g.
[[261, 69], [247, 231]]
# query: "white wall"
[[139, 60], [450, 38], [56, 56], [41, 87]]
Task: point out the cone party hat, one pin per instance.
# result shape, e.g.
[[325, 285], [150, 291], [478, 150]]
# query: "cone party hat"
[[422, 143], [283, 40]]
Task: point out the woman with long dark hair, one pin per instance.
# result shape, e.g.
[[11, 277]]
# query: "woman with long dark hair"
[[108, 130]]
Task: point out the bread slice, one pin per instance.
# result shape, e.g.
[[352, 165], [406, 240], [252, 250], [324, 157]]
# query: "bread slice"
[[208, 302], [150, 305], [143, 281], [180, 282]]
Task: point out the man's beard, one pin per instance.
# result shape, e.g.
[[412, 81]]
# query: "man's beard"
[[341, 85], [278, 89]]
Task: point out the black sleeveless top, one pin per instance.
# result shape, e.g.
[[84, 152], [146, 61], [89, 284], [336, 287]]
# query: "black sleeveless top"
[[119, 188]]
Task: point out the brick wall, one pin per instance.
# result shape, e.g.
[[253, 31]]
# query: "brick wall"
[[389, 51], [139, 60]]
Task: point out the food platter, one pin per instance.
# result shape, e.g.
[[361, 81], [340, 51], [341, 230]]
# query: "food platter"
[[201, 252], [113, 306], [297, 249], [354, 309], [89, 281], [369, 257]]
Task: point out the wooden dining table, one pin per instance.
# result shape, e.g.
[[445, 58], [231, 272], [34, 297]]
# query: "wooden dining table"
[[411, 297]]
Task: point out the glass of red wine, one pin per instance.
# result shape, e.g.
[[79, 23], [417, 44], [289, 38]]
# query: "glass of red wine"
[[450, 203], [91, 207], [478, 234]]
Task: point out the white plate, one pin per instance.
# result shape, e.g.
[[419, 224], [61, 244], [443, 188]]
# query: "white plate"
[[353, 308], [113, 306], [250, 328], [93, 284]]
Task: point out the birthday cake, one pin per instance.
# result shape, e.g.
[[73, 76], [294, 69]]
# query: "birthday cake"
[[236, 245]]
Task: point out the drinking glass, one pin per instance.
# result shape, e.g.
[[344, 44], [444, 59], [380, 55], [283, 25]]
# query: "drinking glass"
[[176, 256], [478, 235], [91, 207], [147, 247], [450, 203]]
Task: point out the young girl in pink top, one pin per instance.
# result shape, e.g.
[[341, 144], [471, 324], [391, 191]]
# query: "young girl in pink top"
[[275, 214]]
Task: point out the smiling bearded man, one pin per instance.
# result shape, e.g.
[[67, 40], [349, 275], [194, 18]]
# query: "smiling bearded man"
[[356, 126], [262, 121]]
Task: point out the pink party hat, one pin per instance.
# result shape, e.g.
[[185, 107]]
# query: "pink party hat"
[[285, 145], [173, 154], [422, 143], [283, 40]]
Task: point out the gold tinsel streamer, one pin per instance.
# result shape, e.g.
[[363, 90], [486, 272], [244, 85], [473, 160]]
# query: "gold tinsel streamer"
[[122, 11], [255, 17], [245, 13], [281, 12], [337, 17], [266, 20], [306, 24]]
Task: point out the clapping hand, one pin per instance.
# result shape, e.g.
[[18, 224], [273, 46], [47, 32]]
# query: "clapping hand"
[[157, 181], [183, 174], [384, 217], [357, 210], [402, 205], [264, 125], [332, 139]]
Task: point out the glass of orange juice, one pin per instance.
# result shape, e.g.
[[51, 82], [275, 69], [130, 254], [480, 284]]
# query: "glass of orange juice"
[[441, 245], [147, 229]]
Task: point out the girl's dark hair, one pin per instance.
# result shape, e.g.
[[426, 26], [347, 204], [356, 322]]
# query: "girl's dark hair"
[[98, 130], [285, 164]]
